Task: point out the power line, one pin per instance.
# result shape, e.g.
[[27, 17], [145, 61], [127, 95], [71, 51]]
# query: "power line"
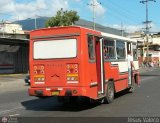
[[124, 14]]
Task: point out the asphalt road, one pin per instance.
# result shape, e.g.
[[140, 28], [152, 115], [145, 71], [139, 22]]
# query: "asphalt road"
[[145, 101]]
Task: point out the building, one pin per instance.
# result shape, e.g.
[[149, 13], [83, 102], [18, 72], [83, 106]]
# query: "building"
[[14, 48], [8, 27], [148, 51]]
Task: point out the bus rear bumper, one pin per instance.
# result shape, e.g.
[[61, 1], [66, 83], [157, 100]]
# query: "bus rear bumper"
[[52, 91]]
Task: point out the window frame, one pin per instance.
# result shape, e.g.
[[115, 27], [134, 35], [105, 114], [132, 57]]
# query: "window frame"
[[93, 46], [57, 40], [114, 45], [123, 58]]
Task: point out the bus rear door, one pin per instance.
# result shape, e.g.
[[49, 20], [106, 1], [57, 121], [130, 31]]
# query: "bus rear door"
[[100, 64]]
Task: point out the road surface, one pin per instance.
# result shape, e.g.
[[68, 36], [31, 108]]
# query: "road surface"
[[145, 101]]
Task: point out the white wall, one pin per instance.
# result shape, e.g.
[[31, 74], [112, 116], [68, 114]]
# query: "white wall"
[[156, 40], [11, 28]]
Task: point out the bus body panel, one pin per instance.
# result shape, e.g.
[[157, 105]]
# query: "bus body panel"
[[55, 69], [89, 76]]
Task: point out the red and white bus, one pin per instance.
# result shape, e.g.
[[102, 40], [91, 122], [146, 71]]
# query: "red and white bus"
[[70, 62]]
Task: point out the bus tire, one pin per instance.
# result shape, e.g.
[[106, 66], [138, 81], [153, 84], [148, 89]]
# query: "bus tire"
[[109, 93]]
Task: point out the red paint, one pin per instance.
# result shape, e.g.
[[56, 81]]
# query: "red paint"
[[56, 70]]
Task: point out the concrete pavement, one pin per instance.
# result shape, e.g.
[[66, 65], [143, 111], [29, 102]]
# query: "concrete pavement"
[[12, 83]]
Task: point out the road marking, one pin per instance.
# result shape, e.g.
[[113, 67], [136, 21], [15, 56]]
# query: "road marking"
[[11, 74], [11, 110], [13, 115]]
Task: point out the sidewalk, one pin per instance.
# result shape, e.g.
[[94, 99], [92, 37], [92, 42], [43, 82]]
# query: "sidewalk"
[[147, 69], [12, 83]]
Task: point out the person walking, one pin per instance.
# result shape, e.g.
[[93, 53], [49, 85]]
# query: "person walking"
[[130, 67]]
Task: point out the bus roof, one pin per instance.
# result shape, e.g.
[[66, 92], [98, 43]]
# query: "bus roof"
[[112, 36], [49, 28], [103, 34]]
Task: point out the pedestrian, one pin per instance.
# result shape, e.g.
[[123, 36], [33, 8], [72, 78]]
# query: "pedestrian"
[[130, 67], [106, 55]]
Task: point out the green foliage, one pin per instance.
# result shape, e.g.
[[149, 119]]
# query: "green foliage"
[[63, 18]]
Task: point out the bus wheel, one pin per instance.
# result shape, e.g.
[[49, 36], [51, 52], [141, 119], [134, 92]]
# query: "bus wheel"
[[109, 93]]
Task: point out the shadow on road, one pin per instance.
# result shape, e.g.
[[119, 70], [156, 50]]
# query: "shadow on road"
[[51, 104], [121, 93]]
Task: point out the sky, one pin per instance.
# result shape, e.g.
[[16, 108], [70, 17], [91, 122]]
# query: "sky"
[[128, 15]]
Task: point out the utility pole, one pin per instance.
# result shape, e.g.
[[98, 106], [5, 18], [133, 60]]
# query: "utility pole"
[[122, 30], [36, 16], [35, 22], [94, 4], [147, 22]]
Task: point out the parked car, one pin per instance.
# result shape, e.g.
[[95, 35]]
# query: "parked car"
[[27, 79]]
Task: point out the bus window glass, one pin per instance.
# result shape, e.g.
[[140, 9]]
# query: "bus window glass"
[[109, 48], [134, 47], [120, 48], [66, 48], [91, 47]]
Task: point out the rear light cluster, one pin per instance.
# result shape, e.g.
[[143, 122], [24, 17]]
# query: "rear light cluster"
[[72, 73], [39, 76]]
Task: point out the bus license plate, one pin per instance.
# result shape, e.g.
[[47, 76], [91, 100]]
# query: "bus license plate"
[[55, 93]]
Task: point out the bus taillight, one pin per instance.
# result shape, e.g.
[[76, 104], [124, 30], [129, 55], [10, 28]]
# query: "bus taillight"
[[39, 76], [72, 73]]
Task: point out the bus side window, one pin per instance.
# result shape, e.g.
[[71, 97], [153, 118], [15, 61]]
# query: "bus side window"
[[120, 48], [91, 47], [110, 46]]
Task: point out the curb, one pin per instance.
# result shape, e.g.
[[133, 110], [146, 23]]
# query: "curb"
[[143, 70], [12, 75]]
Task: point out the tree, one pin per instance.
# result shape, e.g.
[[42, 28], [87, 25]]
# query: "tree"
[[62, 18]]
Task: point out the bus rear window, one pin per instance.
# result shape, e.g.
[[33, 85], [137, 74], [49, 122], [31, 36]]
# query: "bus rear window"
[[66, 48]]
